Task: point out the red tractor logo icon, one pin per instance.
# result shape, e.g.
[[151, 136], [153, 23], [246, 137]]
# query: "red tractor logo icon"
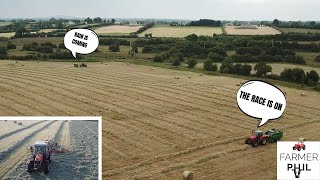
[[300, 145]]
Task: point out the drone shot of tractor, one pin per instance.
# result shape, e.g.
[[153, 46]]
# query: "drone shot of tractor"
[[49, 150], [258, 137]]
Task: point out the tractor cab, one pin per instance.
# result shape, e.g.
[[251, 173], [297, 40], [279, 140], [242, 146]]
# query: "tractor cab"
[[256, 134], [40, 159]]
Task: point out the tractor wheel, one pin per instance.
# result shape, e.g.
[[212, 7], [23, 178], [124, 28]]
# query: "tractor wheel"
[[294, 148], [304, 147], [30, 166], [247, 141], [299, 148], [254, 143], [46, 167], [264, 141]]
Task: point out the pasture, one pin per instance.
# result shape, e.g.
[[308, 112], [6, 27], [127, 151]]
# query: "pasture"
[[181, 31], [299, 30], [117, 29], [154, 125], [259, 30]]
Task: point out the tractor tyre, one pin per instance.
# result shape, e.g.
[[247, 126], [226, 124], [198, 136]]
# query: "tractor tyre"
[[299, 148], [294, 148], [46, 167], [304, 147], [254, 143], [30, 166], [247, 141], [264, 141]]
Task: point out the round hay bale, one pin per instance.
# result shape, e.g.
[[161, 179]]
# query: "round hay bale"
[[17, 62], [189, 76], [242, 82], [238, 84], [20, 123], [106, 63], [201, 74], [152, 68], [22, 64], [176, 77], [14, 121], [303, 94], [285, 93], [187, 175]]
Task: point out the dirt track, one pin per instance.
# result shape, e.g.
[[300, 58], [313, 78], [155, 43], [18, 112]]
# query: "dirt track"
[[155, 126]]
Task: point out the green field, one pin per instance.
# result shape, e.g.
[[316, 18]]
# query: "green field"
[[181, 31], [299, 30], [4, 23], [7, 35]]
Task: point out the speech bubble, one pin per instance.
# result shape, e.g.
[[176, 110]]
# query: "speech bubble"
[[82, 41], [261, 100]]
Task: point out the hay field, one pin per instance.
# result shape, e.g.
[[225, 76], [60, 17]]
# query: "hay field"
[[46, 30], [79, 139], [231, 30], [117, 29], [5, 23], [7, 35], [181, 31], [299, 30], [155, 126]]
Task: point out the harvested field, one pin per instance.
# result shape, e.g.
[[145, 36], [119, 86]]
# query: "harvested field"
[[47, 30], [232, 30], [156, 126], [181, 31], [117, 29], [7, 35], [79, 138]]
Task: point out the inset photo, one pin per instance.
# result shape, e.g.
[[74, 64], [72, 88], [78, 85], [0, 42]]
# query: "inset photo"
[[50, 149]]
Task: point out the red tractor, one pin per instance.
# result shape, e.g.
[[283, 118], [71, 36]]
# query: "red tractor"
[[300, 145], [41, 154], [256, 138]]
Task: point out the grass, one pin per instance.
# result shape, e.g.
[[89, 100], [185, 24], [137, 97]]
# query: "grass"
[[299, 30], [7, 35], [4, 23], [181, 31], [216, 73]]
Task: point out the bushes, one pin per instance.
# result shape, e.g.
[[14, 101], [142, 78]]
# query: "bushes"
[[295, 59], [43, 48], [317, 59], [244, 70], [215, 57], [192, 37], [209, 66], [159, 58], [11, 46], [145, 27], [62, 55], [192, 63], [3, 50], [262, 69], [255, 51], [298, 75], [227, 67], [244, 58], [114, 48]]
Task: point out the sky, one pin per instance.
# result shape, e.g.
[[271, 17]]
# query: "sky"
[[248, 10]]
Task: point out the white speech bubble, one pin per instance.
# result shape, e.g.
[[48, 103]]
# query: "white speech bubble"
[[83, 41], [253, 97]]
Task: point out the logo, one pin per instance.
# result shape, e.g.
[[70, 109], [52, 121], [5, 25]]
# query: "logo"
[[296, 161]]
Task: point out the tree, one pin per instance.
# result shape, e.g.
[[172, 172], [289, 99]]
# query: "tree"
[[88, 20], [209, 66], [97, 20], [176, 61], [215, 57], [227, 67], [276, 22], [192, 37], [114, 48], [19, 32], [113, 21], [317, 59], [192, 63], [3, 50], [262, 69], [312, 76], [245, 70], [11, 46], [312, 23]]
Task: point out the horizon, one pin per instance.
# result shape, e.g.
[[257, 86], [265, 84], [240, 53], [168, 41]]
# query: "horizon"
[[228, 10]]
